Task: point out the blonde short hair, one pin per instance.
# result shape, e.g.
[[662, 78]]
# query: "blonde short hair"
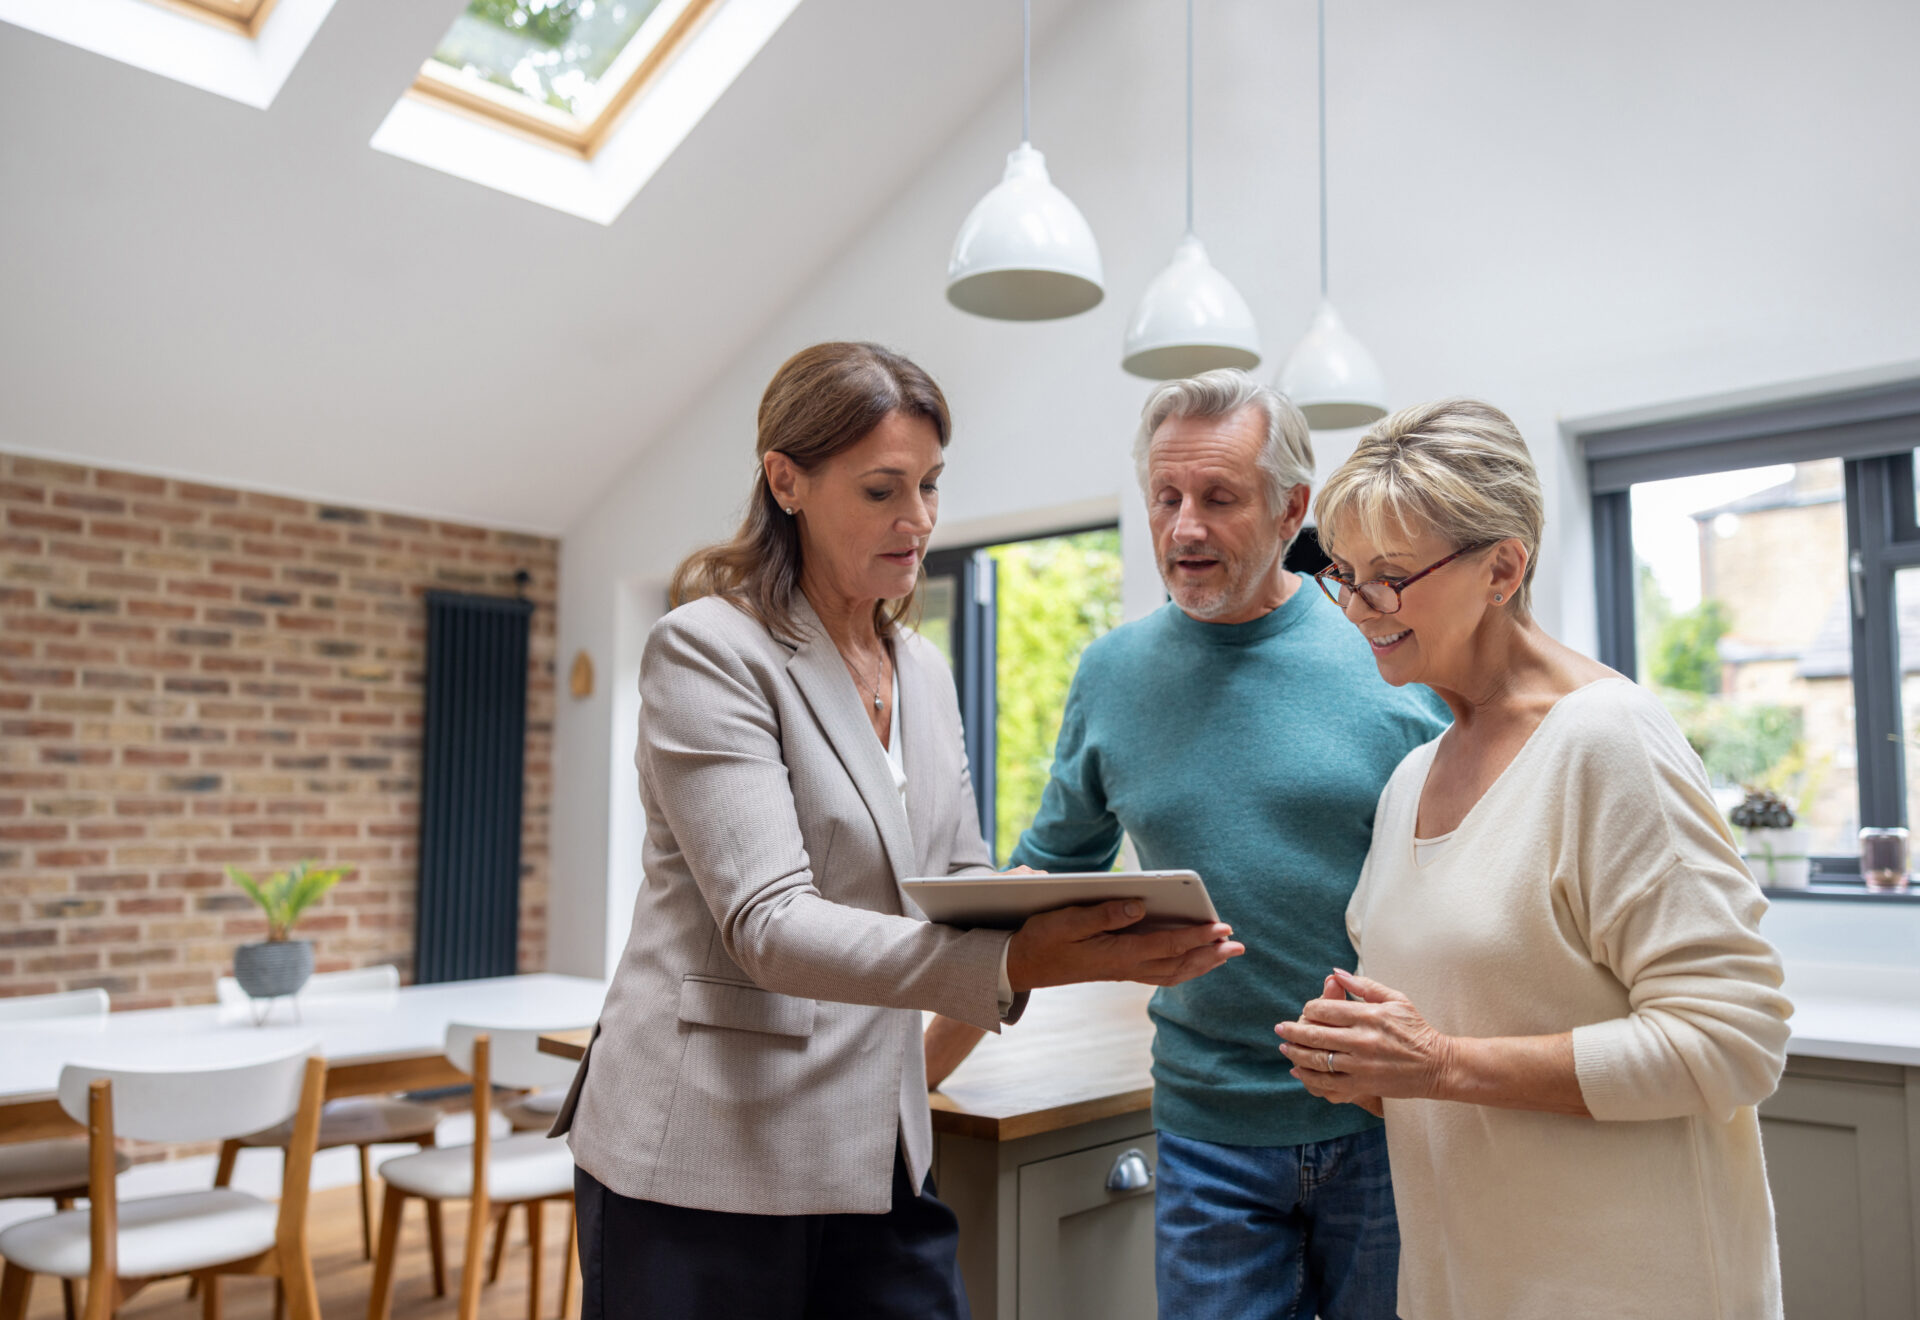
[[1458, 467]]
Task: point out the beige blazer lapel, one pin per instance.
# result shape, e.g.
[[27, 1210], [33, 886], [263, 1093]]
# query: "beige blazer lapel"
[[929, 768], [822, 677]]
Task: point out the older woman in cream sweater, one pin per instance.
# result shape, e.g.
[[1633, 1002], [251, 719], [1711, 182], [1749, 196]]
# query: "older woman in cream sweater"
[[1567, 1011]]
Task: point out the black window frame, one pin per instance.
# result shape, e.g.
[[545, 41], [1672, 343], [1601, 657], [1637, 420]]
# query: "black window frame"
[[1870, 422], [975, 665], [976, 654]]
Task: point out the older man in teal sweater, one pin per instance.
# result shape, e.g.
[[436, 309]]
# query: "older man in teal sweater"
[[1243, 732]]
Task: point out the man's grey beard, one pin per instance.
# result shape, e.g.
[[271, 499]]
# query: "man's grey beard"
[[1243, 583]]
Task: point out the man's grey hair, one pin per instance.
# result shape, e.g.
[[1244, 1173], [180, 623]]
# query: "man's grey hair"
[[1286, 456]]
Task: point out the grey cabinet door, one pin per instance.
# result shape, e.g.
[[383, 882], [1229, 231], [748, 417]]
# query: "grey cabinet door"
[[1837, 1163], [1086, 1251]]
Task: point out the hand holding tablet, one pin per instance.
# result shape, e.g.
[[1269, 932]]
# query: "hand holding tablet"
[[1157, 927]]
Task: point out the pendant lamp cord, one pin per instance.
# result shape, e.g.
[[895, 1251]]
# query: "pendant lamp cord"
[[1026, 72], [1323, 147], [1189, 118]]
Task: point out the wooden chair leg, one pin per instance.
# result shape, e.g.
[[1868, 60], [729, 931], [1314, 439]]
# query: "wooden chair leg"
[[16, 1285], [436, 1247], [366, 1204], [222, 1177], [570, 1279], [209, 1296], [295, 1292], [477, 1217], [223, 1172], [380, 1299], [69, 1297], [536, 1247], [500, 1216]]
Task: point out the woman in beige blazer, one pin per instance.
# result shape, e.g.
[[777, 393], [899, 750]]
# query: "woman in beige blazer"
[[750, 1122]]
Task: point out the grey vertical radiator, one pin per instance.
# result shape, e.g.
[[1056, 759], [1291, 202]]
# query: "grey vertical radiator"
[[473, 759]]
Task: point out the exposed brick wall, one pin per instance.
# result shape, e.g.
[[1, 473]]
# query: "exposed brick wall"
[[192, 676]]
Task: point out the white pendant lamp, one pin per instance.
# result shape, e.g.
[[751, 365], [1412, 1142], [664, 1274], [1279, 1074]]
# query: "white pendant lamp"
[[1025, 253], [1331, 376], [1191, 318]]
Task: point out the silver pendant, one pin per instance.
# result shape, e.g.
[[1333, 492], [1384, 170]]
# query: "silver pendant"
[[876, 703]]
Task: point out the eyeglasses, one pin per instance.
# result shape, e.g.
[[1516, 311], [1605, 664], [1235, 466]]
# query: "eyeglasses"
[[1382, 595]]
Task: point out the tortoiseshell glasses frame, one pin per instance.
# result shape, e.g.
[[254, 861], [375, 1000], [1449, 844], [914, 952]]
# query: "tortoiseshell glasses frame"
[[1382, 595]]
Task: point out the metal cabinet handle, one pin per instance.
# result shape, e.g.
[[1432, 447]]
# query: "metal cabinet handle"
[[1130, 1172]]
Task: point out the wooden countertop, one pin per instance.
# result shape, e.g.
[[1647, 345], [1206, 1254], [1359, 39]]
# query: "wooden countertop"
[[1081, 1052], [567, 1044]]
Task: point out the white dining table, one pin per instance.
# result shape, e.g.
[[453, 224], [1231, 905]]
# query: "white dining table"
[[377, 1042]]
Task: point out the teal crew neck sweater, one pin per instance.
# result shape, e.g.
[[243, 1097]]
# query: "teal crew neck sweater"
[[1253, 753]]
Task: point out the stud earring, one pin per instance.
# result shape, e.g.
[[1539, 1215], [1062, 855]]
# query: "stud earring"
[[1497, 597], [789, 513]]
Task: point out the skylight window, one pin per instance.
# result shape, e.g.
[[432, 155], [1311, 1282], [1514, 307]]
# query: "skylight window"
[[571, 104], [561, 70], [241, 49], [242, 16]]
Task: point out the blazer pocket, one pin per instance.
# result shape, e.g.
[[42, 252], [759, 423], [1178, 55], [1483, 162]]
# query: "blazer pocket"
[[712, 1002], [563, 1120]]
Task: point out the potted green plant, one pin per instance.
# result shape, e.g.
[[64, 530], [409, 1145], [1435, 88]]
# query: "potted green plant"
[[1774, 848], [277, 965]]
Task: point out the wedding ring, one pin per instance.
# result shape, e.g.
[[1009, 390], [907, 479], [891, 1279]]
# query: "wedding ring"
[[1328, 1056]]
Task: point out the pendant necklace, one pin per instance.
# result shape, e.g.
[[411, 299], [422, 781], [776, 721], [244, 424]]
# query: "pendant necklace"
[[880, 669]]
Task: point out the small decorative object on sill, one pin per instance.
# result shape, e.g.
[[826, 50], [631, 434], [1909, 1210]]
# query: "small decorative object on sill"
[[276, 967], [1775, 850], [580, 680], [1883, 858]]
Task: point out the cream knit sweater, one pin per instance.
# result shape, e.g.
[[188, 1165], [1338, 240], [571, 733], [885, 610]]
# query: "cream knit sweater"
[[1594, 888]]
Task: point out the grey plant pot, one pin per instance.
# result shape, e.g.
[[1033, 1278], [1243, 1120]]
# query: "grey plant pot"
[[273, 968]]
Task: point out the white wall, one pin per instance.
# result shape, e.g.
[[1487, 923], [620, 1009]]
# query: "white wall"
[[1565, 210]]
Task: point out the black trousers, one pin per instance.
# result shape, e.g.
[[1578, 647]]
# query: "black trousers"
[[641, 1260]]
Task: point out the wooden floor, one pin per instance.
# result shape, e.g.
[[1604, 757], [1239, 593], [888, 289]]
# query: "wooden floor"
[[345, 1276]]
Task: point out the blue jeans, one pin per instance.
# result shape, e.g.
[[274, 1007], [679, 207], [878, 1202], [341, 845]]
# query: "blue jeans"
[[1276, 1232]]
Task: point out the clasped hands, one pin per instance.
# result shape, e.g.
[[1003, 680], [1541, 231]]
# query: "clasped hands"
[[1361, 1042]]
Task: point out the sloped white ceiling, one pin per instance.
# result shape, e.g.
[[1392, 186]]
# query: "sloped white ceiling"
[[194, 287]]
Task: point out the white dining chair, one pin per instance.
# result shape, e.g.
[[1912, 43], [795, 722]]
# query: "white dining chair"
[[67, 1003], [360, 1121], [121, 1246], [54, 1169], [536, 1110], [493, 1175]]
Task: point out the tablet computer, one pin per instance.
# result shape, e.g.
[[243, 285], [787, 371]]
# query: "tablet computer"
[[1172, 898]]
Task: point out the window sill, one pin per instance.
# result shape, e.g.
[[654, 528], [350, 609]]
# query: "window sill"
[[1845, 893]]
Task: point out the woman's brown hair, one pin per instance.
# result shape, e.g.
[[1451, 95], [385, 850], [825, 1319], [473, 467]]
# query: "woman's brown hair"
[[823, 400]]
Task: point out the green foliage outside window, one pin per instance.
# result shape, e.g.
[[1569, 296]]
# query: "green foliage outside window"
[[1054, 597], [1686, 650], [549, 23], [551, 51], [1741, 743]]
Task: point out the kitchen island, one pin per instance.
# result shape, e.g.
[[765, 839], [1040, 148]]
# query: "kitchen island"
[[1044, 1147], [1842, 1137], [1033, 1132]]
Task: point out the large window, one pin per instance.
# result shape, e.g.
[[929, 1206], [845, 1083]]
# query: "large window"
[[1013, 619], [1760, 570], [559, 70], [1741, 625]]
